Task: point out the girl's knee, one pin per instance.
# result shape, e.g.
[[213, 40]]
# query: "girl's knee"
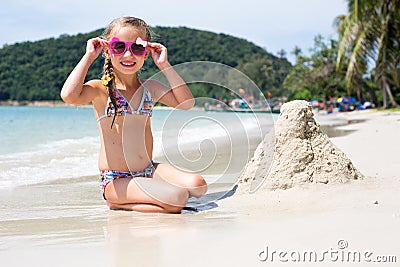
[[180, 197], [195, 180], [196, 185]]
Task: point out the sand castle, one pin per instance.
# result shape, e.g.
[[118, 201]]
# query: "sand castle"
[[298, 152]]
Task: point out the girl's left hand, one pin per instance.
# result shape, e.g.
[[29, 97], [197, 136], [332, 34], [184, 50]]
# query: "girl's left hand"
[[159, 54]]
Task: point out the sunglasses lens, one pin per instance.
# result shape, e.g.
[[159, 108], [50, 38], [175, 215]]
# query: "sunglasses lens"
[[118, 47], [138, 50]]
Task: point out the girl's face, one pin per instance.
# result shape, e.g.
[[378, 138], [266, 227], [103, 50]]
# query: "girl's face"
[[127, 63]]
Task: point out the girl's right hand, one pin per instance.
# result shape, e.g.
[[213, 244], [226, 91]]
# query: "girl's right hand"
[[94, 47]]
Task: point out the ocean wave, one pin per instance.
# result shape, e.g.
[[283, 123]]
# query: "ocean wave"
[[50, 161], [185, 135]]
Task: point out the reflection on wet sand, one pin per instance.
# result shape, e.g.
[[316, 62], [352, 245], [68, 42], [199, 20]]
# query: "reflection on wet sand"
[[149, 239]]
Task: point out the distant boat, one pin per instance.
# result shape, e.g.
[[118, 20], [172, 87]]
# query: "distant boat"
[[250, 110], [241, 110]]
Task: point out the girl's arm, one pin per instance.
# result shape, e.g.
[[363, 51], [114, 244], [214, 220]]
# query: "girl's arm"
[[74, 90], [179, 95]]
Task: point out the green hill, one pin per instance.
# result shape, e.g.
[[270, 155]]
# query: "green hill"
[[37, 70]]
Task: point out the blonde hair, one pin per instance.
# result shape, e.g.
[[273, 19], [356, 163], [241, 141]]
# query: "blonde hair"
[[108, 68]]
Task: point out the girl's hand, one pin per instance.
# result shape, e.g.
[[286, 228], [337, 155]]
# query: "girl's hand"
[[94, 47], [159, 54]]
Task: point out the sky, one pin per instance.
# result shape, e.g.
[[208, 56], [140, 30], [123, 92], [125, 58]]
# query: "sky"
[[271, 24]]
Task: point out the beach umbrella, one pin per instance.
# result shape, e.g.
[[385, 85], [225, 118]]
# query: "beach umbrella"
[[314, 103]]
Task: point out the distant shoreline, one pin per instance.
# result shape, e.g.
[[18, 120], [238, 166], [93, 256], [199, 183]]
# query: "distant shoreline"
[[44, 103], [54, 103]]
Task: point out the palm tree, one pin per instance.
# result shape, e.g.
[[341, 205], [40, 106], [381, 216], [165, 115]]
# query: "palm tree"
[[281, 53], [370, 31], [296, 52]]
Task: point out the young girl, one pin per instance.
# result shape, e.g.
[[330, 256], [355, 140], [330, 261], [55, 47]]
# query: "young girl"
[[123, 105]]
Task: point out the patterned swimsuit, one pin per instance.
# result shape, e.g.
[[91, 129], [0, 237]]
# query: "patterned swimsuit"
[[124, 108]]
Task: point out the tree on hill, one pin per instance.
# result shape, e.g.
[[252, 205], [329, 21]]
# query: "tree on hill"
[[315, 76]]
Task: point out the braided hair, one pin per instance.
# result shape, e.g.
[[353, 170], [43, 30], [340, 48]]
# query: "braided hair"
[[108, 69]]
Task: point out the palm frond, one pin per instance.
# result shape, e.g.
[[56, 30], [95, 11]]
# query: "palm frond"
[[357, 60], [346, 32]]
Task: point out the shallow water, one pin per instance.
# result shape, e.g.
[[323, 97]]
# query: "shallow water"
[[42, 144]]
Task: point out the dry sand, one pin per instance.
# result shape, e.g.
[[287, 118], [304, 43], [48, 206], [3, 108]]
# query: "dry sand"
[[364, 214], [329, 220]]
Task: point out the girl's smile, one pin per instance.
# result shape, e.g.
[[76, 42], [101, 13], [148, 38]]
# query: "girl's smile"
[[128, 63]]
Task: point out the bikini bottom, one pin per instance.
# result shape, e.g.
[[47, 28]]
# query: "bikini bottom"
[[107, 176]]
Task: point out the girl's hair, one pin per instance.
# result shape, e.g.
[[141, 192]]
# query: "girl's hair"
[[108, 68]]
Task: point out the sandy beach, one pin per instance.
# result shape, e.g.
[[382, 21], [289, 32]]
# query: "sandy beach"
[[311, 224]]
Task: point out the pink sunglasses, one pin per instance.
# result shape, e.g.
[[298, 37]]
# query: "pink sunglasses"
[[137, 48]]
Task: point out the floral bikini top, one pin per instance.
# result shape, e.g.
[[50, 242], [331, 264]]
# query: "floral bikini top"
[[124, 107]]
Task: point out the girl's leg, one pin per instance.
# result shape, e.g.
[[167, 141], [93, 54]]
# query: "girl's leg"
[[145, 195], [194, 183]]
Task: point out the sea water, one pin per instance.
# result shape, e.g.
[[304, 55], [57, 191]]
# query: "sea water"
[[44, 144]]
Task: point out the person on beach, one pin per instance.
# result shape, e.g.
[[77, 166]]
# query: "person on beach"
[[123, 104]]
